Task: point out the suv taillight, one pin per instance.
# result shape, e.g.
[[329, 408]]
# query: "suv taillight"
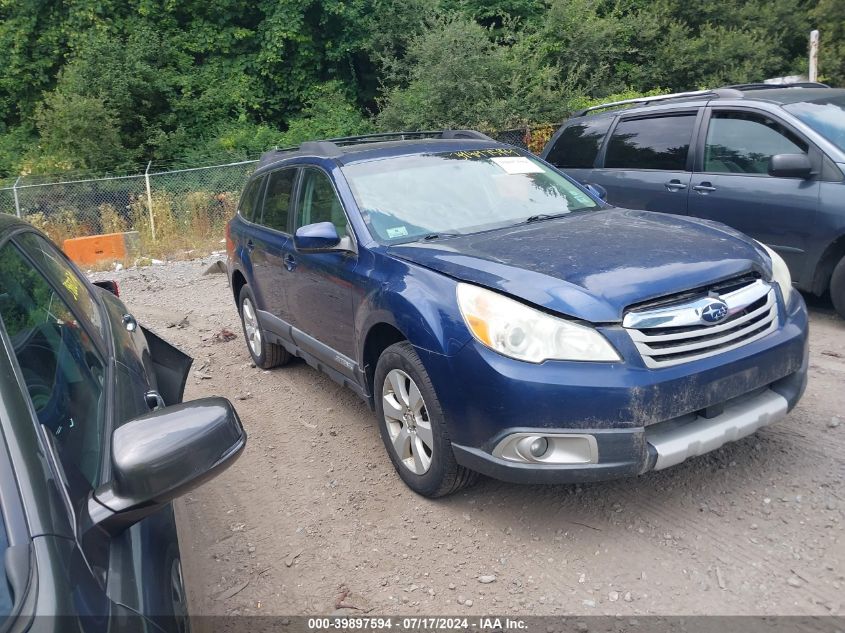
[[230, 244]]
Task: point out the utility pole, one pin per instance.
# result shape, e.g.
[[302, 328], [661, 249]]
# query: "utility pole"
[[150, 201], [813, 75]]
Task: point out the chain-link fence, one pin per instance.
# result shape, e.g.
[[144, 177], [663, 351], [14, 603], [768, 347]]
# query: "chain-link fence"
[[172, 211], [181, 209]]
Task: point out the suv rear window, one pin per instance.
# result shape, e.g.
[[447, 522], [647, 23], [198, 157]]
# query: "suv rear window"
[[579, 144], [653, 143]]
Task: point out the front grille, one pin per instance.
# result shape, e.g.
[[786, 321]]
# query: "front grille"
[[676, 333]]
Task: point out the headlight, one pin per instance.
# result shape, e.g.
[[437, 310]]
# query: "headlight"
[[515, 330], [780, 272]]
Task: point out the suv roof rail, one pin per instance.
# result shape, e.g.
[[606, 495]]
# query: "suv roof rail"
[[765, 86], [734, 90], [636, 100], [331, 148]]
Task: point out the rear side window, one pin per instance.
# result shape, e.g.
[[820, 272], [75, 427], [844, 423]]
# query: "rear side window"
[[277, 200], [653, 143], [743, 143], [250, 199], [579, 144]]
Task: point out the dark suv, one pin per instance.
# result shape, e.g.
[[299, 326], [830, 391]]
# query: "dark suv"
[[767, 160]]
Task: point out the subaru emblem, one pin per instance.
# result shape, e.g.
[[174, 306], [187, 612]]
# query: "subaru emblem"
[[714, 312]]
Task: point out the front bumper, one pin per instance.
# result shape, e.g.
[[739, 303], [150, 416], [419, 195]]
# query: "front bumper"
[[642, 419]]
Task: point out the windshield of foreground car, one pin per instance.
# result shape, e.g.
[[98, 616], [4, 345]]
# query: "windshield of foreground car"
[[825, 116], [406, 198]]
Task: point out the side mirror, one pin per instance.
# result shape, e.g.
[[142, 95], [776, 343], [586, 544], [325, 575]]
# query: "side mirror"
[[790, 166], [597, 190], [164, 454], [320, 237], [110, 285]]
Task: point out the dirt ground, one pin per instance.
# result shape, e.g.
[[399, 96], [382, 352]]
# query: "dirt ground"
[[313, 519]]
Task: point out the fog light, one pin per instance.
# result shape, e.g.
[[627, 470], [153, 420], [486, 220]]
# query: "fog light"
[[539, 447], [549, 448]]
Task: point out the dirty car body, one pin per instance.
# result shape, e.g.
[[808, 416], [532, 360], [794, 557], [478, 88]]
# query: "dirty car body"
[[671, 335], [95, 444]]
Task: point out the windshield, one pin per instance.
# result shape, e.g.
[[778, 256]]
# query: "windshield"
[[403, 199], [825, 116]]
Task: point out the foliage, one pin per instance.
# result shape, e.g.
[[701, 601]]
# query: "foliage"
[[99, 84]]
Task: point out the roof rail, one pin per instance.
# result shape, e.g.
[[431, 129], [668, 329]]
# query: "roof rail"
[[765, 86], [676, 95], [330, 148]]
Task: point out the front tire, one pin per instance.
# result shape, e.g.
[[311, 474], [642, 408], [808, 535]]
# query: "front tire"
[[413, 427], [264, 353], [837, 287]]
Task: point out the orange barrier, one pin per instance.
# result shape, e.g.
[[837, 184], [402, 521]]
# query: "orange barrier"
[[96, 248]]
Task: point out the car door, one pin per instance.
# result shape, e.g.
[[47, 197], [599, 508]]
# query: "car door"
[[321, 283], [646, 163], [272, 248], [731, 183], [80, 392]]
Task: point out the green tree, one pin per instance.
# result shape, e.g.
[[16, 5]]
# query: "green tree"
[[77, 132]]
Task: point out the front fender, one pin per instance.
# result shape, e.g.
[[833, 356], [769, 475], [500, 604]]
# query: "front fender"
[[418, 302]]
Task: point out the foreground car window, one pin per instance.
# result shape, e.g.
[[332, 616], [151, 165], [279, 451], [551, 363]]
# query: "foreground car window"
[[62, 370], [405, 198], [825, 116], [61, 274]]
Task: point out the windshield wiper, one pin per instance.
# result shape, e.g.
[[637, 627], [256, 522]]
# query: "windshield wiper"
[[436, 236], [544, 216]]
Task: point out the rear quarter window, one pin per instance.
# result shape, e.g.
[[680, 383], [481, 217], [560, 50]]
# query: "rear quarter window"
[[579, 144], [250, 199], [660, 142]]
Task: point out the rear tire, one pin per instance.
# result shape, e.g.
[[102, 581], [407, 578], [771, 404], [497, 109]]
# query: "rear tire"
[[837, 287], [414, 428], [264, 353]]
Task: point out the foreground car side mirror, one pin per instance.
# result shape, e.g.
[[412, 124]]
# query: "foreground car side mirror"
[[162, 455], [790, 166], [597, 190], [320, 237]]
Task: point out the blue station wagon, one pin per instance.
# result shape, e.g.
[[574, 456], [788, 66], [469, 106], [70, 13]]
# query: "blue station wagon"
[[502, 319]]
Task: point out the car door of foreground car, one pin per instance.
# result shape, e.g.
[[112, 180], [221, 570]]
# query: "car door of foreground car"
[[80, 393], [321, 284], [646, 163], [731, 183]]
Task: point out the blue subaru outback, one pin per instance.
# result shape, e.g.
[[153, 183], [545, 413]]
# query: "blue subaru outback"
[[501, 319]]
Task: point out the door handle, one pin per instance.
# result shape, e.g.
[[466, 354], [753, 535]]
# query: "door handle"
[[250, 245], [290, 262], [674, 185], [704, 188], [129, 323]]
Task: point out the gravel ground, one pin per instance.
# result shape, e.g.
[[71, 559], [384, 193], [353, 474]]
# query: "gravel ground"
[[313, 519]]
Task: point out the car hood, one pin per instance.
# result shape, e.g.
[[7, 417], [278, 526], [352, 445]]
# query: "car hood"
[[593, 265]]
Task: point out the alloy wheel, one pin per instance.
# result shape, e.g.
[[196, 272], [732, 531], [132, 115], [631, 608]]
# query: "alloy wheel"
[[407, 421], [251, 327]]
